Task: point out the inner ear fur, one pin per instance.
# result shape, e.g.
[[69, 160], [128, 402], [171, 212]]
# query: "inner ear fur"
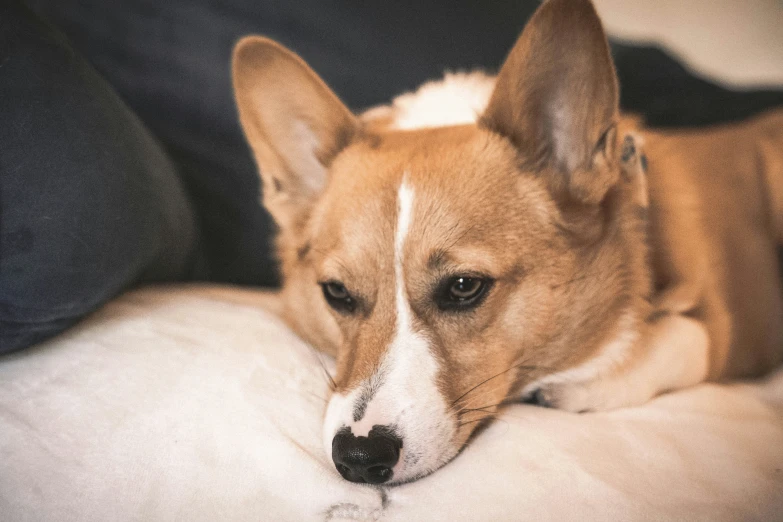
[[556, 99], [294, 124]]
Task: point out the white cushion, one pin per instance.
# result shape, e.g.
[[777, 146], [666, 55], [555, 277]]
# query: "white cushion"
[[194, 403]]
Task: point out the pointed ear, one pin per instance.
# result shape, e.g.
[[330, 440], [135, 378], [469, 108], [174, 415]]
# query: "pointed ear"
[[556, 94], [294, 124]]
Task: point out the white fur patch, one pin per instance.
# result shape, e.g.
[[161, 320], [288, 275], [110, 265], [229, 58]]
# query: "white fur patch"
[[404, 391], [609, 356], [457, 99], [339, 413]]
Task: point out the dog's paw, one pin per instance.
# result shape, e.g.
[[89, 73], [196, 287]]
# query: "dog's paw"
[[568, 397], [583, 397]]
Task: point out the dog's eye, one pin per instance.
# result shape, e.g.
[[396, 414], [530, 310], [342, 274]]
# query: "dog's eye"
[[462, 292], [338, 297], [465, 288]]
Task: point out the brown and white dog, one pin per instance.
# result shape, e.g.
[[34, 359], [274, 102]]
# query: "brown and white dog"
[[455, 262]]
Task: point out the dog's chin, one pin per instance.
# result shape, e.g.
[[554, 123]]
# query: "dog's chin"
[[454, 448]]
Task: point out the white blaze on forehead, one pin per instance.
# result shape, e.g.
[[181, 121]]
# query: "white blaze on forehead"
[[404, 211], [404, 392]]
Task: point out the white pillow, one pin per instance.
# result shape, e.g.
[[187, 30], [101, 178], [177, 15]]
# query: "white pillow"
[[195, 403]]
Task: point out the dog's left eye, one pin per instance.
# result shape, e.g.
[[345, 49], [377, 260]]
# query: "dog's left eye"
[[462, 292], [338, 296]]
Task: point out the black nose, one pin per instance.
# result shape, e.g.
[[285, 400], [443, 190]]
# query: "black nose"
[[366, 459]]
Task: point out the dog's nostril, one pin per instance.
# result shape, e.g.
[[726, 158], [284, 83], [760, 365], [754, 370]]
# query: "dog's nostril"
[[366, 459], [380, 473]]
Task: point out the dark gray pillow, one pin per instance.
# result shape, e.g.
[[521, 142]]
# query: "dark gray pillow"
[[89, 202]]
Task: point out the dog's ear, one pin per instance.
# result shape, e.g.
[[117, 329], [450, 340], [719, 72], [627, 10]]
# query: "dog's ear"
[[294, 124], [556, 98]]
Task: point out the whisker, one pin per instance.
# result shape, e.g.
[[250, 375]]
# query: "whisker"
[[329, 379], [483, 408], [515, 366], [473, 421], [467, 403], [471, 441]]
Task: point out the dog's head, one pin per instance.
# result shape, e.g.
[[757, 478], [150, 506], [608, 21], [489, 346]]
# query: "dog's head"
[[446, 268]]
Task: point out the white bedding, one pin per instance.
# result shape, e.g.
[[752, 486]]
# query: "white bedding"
[[194, 403]]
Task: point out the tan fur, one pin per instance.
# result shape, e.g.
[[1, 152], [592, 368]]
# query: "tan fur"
[[537, 197], [715, 214]]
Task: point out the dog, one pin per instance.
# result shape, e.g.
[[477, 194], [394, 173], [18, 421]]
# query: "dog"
[[513, 238]]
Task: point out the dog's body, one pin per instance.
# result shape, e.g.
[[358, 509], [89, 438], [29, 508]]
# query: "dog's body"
[[523, 252], [716, 223]]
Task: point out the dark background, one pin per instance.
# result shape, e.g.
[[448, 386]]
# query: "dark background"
[[169, 59]]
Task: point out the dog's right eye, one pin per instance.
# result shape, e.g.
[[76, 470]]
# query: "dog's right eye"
[[462, 292], [338, 296]]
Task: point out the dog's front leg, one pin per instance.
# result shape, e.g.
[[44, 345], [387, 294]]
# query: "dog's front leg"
[[672, 354]]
